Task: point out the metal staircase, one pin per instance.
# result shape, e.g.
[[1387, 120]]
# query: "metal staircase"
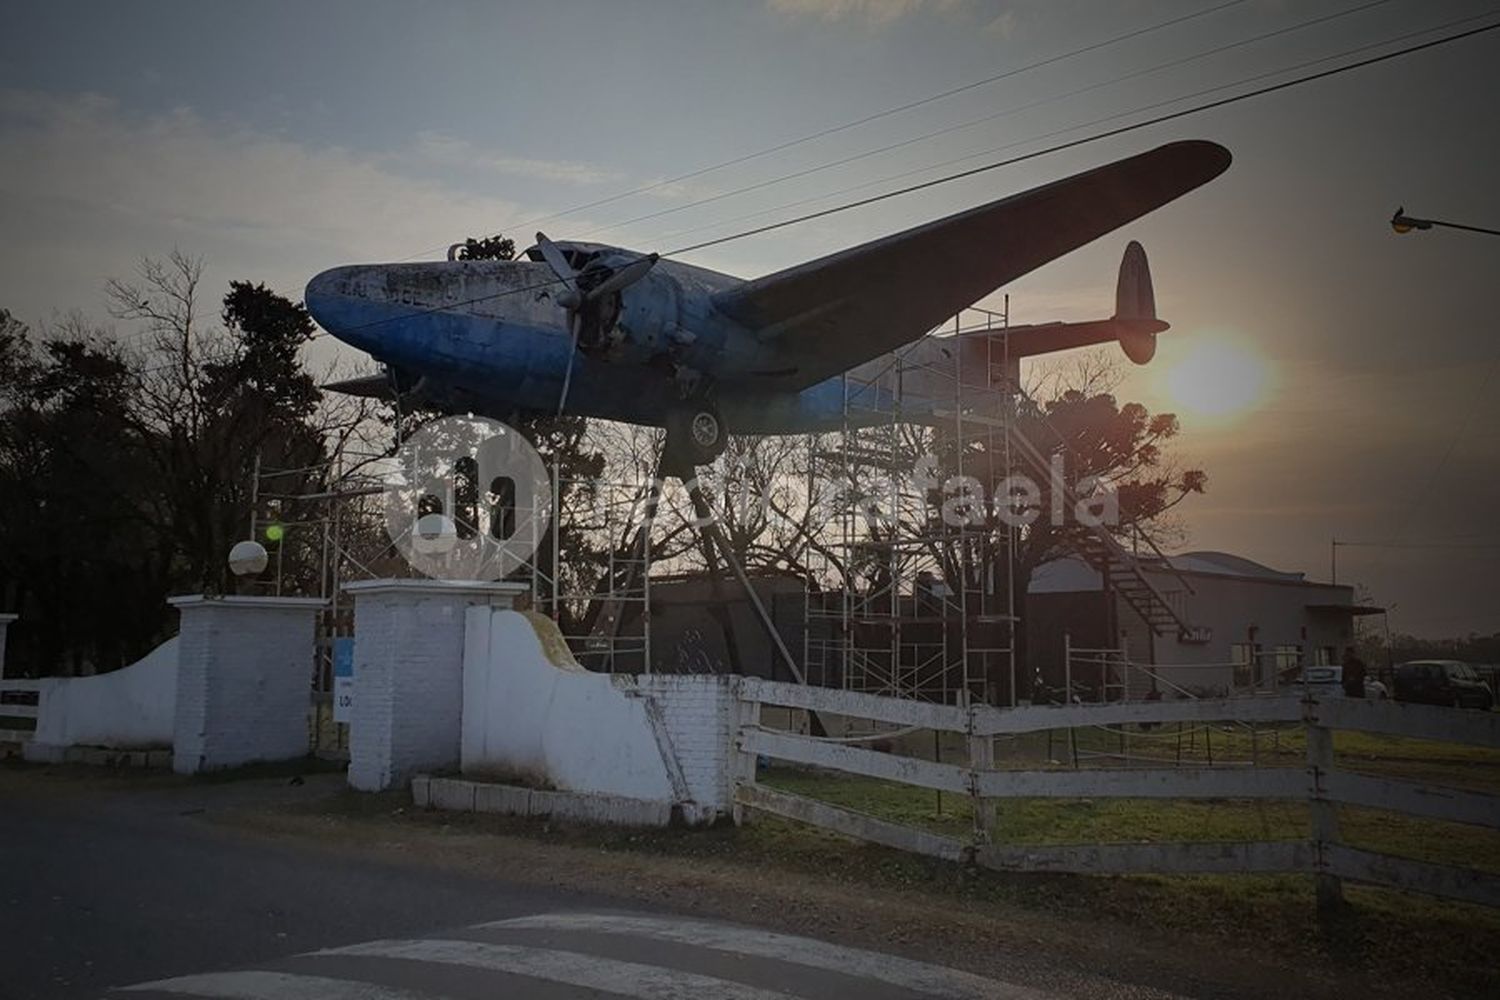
[[1123, 571]]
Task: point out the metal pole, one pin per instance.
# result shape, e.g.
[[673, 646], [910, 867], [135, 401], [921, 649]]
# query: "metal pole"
[[711, 528], [1067, 668], [254, 492], [646, 598], [556, 582]]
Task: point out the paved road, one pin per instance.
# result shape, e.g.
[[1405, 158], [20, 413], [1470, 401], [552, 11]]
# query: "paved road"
[[131, 895]]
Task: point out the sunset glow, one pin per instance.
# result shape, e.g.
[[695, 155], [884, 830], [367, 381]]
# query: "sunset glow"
[[1218, 377]]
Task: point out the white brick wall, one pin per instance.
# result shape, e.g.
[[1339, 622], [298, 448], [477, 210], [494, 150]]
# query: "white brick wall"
[[699, 710], [408, 676], [243, 679]]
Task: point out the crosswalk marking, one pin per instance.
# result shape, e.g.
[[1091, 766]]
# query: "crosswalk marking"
[[932, 979], [263, 985], [573, 968]]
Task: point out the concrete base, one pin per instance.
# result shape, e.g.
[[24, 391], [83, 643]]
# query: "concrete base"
[[460, 795]]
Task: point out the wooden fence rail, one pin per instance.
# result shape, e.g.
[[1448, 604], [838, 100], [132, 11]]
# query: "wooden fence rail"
[[1320, 784]]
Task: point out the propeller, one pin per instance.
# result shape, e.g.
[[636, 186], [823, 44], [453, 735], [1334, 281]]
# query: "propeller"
[[575, 298]]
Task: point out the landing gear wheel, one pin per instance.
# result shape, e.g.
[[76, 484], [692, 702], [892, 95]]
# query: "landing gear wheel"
[[695, 436]]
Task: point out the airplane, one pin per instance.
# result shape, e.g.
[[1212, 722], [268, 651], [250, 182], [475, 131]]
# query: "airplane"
[[602, 331]]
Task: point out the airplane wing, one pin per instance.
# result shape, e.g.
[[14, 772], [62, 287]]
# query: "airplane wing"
[[823, 317], [369, 386]]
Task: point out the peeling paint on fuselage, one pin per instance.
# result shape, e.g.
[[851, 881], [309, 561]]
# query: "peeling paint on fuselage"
[[490, 337]]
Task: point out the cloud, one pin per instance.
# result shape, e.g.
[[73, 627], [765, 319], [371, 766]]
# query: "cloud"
[[874, 12], [1002, 25], [95, 186], [449, 151]]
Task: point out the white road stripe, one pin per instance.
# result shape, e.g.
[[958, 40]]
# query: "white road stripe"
[[261, 985], [920, 976], [574, 968]]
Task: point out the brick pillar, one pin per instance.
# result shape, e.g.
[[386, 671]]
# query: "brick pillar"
[[244, 680], [409, 675], [5, 621]]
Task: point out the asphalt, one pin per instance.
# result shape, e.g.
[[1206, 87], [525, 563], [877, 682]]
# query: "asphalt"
[[131, 890]]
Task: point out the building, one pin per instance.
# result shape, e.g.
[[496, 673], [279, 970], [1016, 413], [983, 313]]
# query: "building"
[[1252, 627]]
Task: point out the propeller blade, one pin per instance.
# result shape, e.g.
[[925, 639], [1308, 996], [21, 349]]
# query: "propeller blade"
[[573, 328], [627, 275], [559, 264]]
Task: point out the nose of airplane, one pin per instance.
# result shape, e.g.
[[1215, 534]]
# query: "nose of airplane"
[[332, 300]]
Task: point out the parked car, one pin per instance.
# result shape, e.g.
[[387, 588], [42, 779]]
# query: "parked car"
[[1328, 681], [1442, 682]]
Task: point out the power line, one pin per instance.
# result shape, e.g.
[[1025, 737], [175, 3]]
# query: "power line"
[[1074, 128], [831, 130], [1110, 133], [1072, 144], [1217, 50]]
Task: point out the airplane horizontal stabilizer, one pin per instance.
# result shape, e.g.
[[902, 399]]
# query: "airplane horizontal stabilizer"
[[1045, 338], [368, 386], [1134, 323]]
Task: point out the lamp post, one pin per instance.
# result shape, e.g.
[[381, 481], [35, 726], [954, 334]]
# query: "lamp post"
[[1403, 223]]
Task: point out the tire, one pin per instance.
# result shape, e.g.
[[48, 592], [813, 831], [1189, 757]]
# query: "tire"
[[696, 434]]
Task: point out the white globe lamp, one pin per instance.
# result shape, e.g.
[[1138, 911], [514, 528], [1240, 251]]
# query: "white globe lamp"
[[247, 558]]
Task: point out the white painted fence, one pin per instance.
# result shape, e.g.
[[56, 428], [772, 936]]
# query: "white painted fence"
[[1320, 783], [19, 699]]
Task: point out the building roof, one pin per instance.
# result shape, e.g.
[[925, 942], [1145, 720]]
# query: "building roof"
[[1227, 564], [1071, 574]]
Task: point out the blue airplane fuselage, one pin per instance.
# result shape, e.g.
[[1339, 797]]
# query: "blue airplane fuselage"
[[490, 337]]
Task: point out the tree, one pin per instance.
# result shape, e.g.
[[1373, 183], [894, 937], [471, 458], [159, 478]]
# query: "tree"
[[495, 247], [75, 522], [127, 466], [212, 405]]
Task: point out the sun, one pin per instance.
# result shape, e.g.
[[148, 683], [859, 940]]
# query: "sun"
[[1218, 377]]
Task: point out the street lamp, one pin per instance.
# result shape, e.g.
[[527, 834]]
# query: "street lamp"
[[1403, 223]]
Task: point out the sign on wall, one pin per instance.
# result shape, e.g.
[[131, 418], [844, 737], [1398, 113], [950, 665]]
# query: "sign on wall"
[[343, 678]]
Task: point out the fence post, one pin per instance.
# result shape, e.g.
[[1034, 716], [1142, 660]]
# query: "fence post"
[[1322, 812], [742, 763], [981, 760]]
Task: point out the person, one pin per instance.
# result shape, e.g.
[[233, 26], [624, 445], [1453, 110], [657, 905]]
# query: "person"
[[1353, 674]]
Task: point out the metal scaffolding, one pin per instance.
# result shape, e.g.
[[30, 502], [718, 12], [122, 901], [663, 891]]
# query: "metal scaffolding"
[[912, 594]]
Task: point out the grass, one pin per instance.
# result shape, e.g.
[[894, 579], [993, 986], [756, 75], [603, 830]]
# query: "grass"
[[1103, 821], [1448, 942]]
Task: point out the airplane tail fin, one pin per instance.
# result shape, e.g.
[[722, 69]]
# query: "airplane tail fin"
[[1135, 306], [1134, 324]]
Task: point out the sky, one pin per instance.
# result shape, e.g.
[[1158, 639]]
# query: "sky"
[[1335, 380]]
